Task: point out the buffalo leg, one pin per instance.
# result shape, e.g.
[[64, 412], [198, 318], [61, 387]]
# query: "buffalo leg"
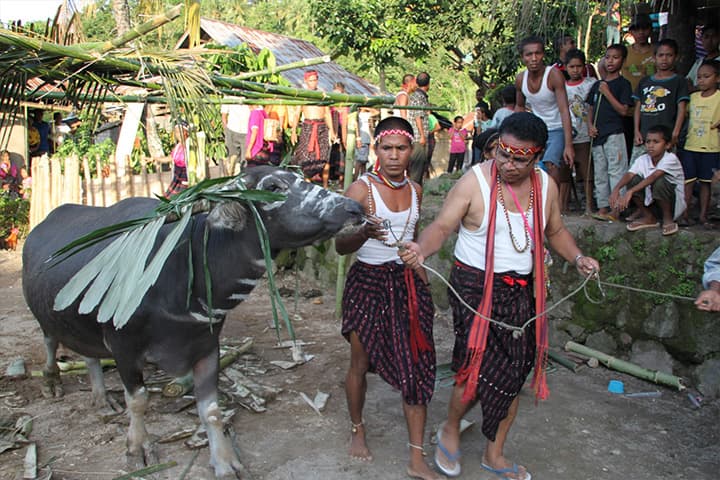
[[52, 385], [100, 397], [222, 455], [140, 450]]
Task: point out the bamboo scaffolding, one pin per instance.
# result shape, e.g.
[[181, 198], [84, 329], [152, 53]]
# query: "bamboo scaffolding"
[[627, 367]]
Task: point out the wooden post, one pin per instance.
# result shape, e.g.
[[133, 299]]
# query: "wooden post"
[[89, 191], [130, 177], [101, 179], [56, 188], [145, 177], [71, 181]]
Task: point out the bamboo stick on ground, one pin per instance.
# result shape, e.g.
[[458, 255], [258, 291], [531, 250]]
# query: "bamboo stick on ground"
[[182, 385], [627, 367], [565, 362]]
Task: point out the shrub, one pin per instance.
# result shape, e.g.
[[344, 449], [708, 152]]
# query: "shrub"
[[14, 212]]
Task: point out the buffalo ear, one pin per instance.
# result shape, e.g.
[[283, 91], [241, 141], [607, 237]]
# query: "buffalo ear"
[[252, 175], [228, 215]]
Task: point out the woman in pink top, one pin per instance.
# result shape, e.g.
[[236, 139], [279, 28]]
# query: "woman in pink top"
[[257, 151], [458, 139]]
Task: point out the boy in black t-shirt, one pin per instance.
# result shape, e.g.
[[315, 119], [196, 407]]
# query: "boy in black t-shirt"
[[609, 101], [660, 99]]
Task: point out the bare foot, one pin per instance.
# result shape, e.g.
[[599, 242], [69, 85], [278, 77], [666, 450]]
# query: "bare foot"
[[423, 471], [506, 469], [358, 448]]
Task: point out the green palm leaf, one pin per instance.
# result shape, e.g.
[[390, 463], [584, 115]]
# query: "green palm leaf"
[[75, 286]]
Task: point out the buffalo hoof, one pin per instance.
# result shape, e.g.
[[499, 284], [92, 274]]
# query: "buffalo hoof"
[[107, 403], [139, 460], [52, 385], [232, 474]]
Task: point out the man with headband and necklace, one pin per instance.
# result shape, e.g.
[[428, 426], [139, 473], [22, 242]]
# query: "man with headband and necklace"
[[387, 307], [505, 210], [312, 151]]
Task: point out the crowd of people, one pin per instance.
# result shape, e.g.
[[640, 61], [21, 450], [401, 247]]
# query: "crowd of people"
[[599, 120], [621, 131]]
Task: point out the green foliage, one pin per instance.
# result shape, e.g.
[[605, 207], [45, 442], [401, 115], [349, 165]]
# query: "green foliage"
[[14, 212], [606, 253], [82, 146]]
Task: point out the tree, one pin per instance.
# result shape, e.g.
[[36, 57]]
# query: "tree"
[[121, 14], [374, 31]]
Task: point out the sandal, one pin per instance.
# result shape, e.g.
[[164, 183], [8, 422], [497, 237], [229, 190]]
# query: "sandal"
[[670, 229], [636, 225]]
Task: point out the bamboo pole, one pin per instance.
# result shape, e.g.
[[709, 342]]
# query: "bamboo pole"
[[565, 362], [627, 367], [348, 179], [305, 62], [155, 22]]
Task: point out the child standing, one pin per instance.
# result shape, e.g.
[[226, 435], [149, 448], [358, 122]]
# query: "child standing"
[[179, 157], [654, 179], [578, 88], [701, 154], [458, 137], [661, 98], [608, 103]]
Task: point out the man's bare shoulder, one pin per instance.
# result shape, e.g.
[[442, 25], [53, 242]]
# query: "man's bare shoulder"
[[358, 190]]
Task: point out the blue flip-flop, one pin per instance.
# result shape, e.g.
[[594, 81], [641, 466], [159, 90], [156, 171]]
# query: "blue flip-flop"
[[453, 457], [503, 472]]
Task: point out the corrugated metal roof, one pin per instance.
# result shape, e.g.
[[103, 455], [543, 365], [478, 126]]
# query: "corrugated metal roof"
[[287, 50]]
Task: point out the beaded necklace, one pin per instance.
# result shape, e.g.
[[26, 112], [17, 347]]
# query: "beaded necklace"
[[386, 223], [501, 198], [376, 175]]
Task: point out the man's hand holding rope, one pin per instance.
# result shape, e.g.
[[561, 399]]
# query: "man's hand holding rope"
[[586, 265], [412, 256]]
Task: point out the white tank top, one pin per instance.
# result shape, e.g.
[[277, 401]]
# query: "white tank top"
[[376, 252], [543, 103], [470, 245], [397, 111]]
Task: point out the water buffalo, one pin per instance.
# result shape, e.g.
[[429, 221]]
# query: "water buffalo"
[[164, 330]]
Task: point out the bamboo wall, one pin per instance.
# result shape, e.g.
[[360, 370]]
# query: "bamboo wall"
[[55, 182]]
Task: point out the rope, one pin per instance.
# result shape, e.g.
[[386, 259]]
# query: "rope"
[[649, 292], [518, 331]]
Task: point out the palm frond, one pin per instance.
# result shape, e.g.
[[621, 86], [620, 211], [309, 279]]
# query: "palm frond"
[[118, 278]]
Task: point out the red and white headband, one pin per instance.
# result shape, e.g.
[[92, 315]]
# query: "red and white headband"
[[394, 131]]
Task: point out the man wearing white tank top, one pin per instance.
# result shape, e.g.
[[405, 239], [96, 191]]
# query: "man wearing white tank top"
[[541, 90], [505, 209]]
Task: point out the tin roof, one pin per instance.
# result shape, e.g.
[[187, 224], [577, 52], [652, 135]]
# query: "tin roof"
[[286, 50]]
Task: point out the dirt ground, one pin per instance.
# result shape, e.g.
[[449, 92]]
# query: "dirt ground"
[[582, 432]]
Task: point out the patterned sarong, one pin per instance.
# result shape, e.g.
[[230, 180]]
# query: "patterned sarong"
[[375, 306], [507, 361], [312, 151]]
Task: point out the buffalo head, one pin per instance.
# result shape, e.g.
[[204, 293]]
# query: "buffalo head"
[[308, 213]]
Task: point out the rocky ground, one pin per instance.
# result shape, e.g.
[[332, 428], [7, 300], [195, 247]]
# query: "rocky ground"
[[581, 432]]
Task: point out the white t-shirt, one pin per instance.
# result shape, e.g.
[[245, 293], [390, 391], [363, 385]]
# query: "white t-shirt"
[[670, 164], [577, 94], [238, 116]]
